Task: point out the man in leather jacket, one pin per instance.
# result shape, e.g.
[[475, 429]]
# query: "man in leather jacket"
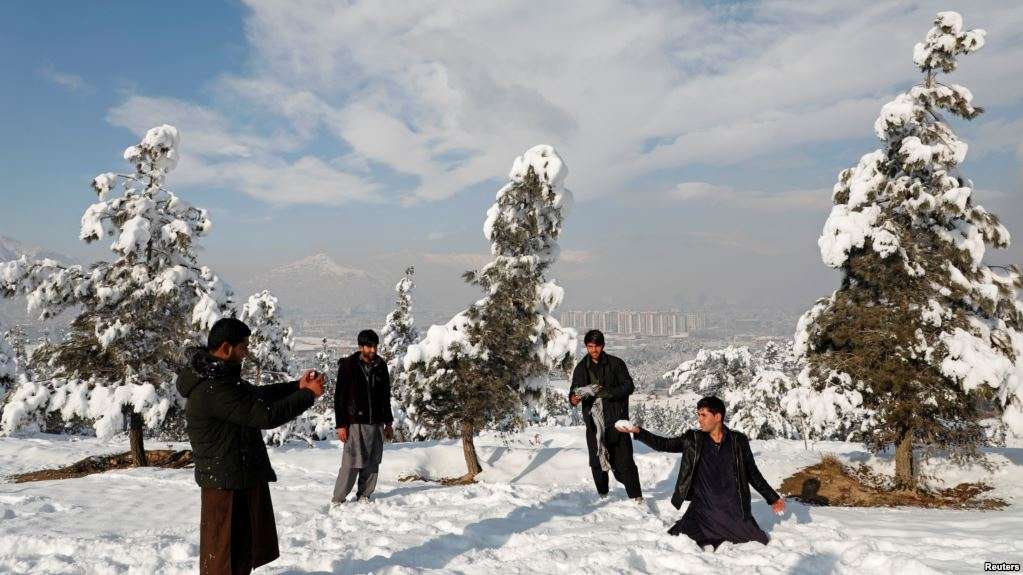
[[716, 473]]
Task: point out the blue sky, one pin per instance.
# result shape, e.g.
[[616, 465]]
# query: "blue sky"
[[702, 139]]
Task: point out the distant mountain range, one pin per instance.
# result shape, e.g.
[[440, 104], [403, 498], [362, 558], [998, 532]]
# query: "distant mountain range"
[[12, 249], [318, 286], [313, 288]]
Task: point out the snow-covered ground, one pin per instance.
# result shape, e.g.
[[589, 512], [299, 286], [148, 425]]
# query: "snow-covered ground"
[[534, 511]]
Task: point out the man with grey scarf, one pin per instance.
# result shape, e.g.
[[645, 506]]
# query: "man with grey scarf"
[[602, 384]]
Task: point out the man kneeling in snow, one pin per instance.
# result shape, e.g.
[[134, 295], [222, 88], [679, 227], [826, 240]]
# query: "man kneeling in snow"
[[223, 418], [715, 474]]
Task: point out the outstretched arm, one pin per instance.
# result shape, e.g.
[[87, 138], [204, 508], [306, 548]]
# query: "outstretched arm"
[[240, 405], [667, 444], [276, 391]]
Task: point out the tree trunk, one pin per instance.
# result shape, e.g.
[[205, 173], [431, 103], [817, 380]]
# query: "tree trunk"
[[472, 461], [905, 464], [138, 449], [806, 434]]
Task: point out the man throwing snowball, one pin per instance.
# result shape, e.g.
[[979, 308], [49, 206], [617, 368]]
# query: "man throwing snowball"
[[601, 382], [224, 416], [716, 472]]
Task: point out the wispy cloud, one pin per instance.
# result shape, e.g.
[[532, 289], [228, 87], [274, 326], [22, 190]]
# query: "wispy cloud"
[[814, 200], [443, 96], [215, 152], [461, 260], [71, 82], [576, 256]]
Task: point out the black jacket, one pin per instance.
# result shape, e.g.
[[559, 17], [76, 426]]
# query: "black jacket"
[[617, 387], [689, 444], [224, 415], [355, 400]]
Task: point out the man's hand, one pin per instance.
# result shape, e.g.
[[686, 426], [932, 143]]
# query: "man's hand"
[[778, 506], [389, 432], [342, 434], [313, 382], [627, 428], [574, 399]]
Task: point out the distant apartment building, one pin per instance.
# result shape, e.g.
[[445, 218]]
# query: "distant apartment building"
[[627, 322]]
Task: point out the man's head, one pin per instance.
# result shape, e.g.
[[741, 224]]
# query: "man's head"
[[710, 412], [368, 341], [594, 341], [229, 340]]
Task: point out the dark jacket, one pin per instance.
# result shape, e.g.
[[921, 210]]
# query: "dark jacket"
[[355, 399], [617, 387], [689, 444], [224, 415]]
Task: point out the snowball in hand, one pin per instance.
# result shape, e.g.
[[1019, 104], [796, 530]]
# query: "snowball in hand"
[[624, 425]]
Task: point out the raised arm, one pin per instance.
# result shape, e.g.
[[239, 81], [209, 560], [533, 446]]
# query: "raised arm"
[[240, 405], [276, 391], [667, 444]]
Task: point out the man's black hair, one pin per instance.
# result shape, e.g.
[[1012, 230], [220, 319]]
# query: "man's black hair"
[[713, 404], [227, 330], [368, 337], [594, 336]]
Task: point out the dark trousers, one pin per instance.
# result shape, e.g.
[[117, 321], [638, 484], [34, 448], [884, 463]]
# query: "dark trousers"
[[619, 455], [237, 532]]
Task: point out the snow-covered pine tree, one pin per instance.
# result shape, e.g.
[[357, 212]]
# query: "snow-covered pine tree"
[[755, 408], [137, 310], [399, 329], [827, 409], [18, 341], [920, 322], [270, 344], [327, 363], [398, 333], [8, 367], [483, 365], [712, 371]]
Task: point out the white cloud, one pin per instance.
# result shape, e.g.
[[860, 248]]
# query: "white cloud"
[[212, 153], [813, 200], [576, 256], [71, 82], [460, 260], [997, 136], [447, 94]]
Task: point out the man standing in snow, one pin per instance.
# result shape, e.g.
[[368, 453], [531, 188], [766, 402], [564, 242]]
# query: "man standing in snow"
[[716, 472], [601, 382], [362, 413], [224, 415]]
